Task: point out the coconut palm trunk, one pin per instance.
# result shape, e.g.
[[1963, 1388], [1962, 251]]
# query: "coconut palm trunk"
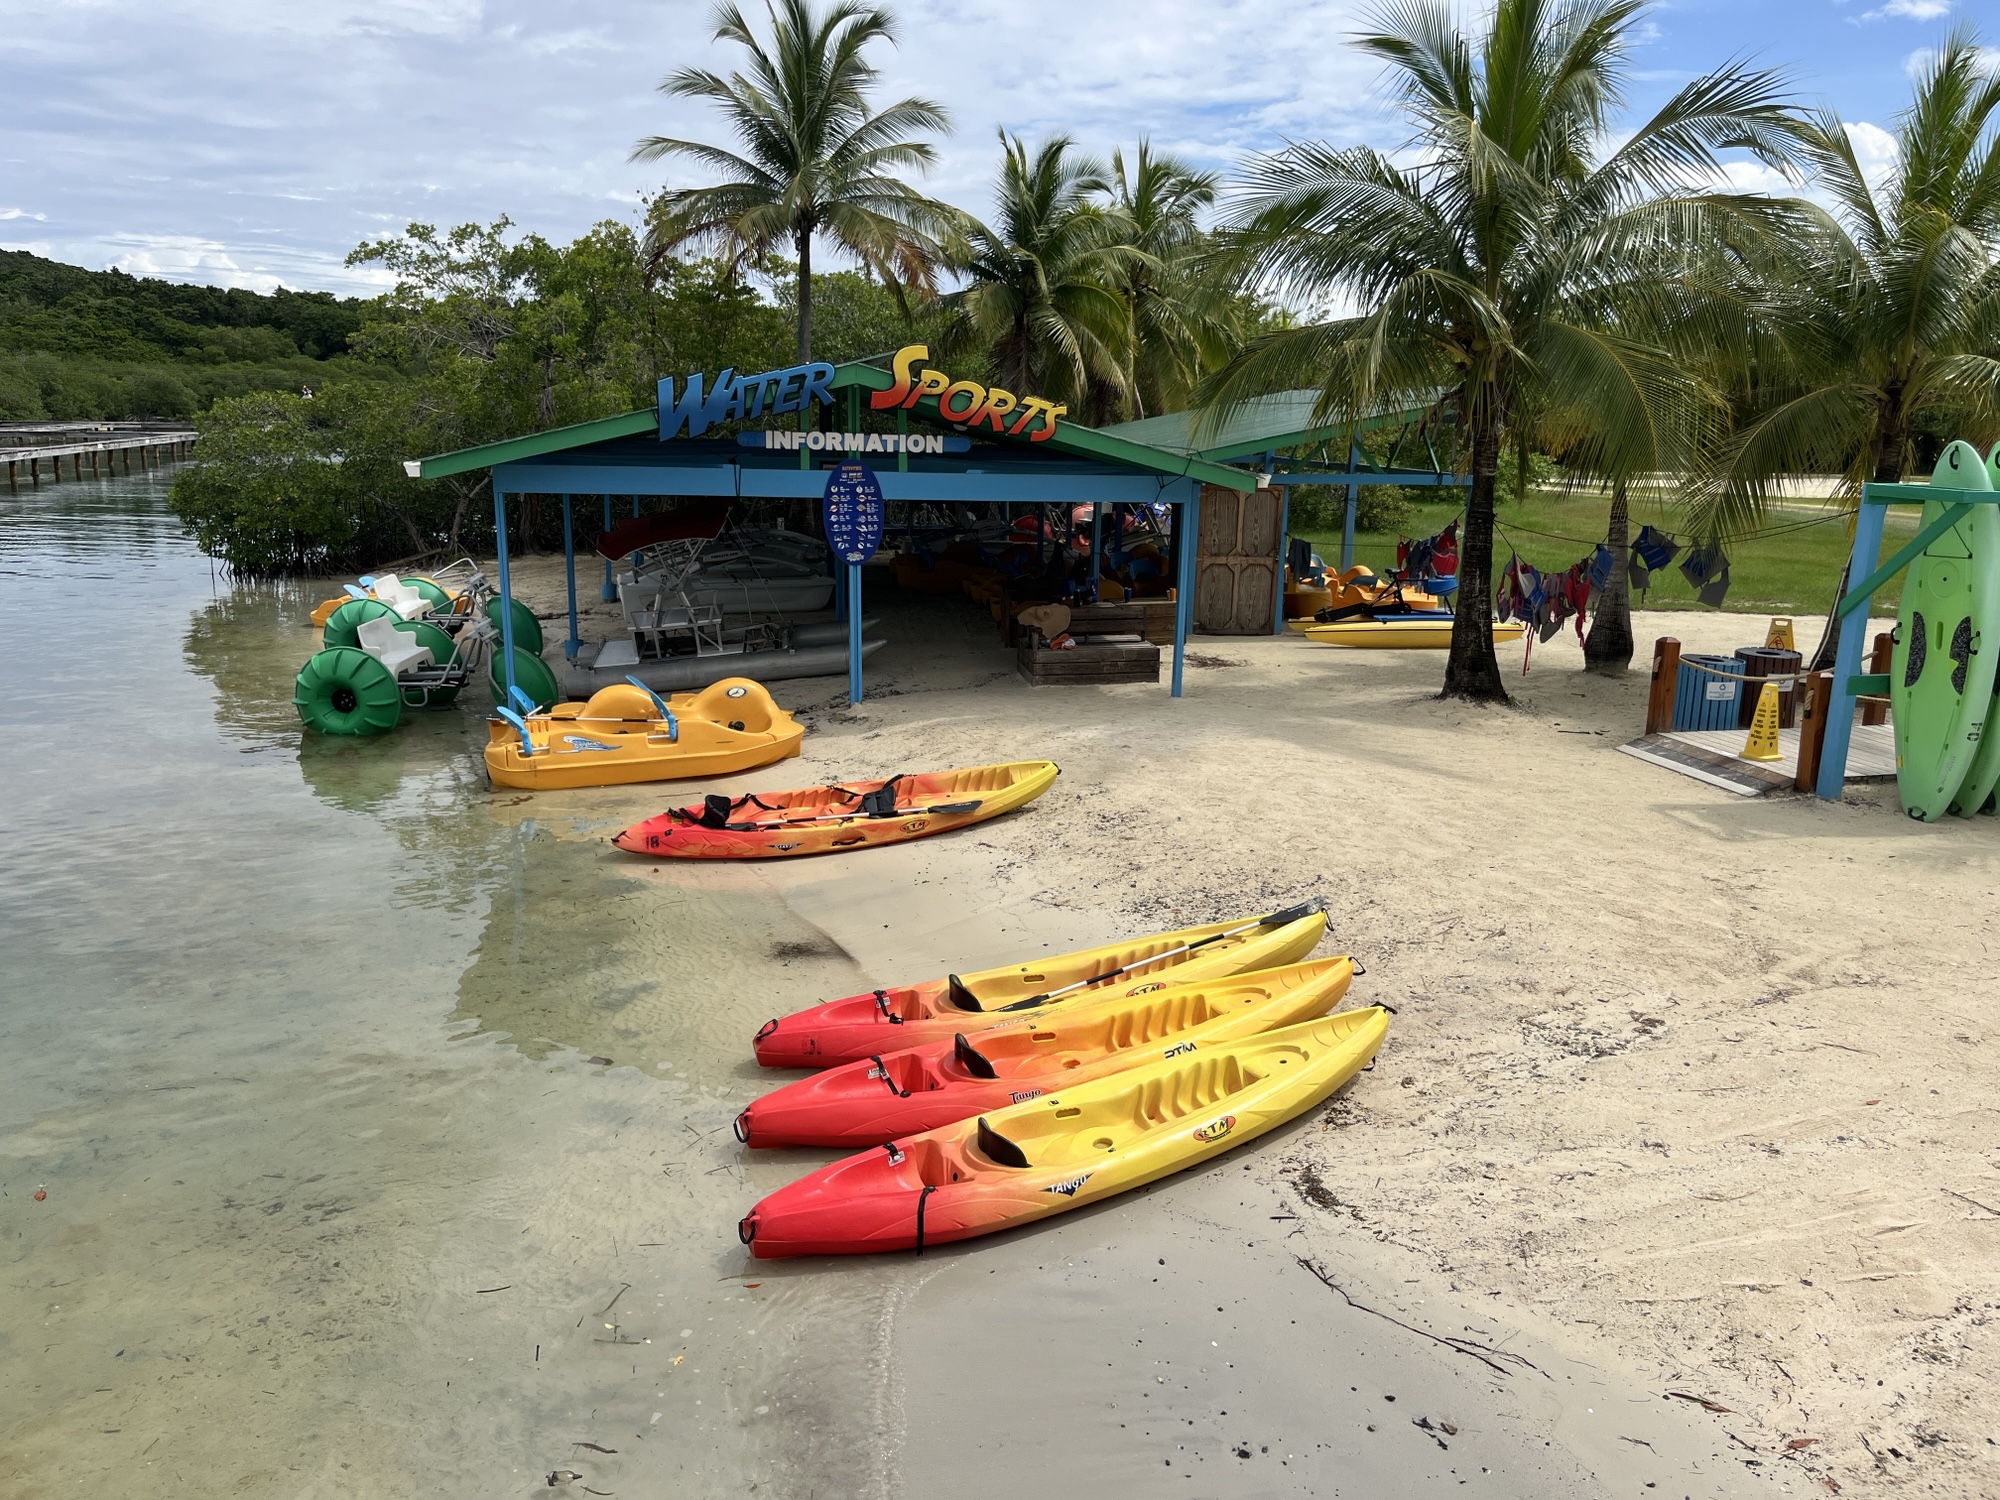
[[1608, 647], [1473, 668]]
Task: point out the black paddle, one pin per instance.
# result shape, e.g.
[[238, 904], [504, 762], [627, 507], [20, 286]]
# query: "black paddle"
[[1276, 919], [827, 817]]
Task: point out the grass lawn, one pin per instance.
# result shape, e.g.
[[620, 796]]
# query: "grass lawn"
[[1792, 571]]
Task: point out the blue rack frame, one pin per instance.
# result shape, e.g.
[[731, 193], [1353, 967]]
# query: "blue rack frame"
[[1849, 682]]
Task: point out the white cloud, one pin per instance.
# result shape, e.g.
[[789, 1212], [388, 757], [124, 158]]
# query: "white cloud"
[[1908, 10], [21, 213]]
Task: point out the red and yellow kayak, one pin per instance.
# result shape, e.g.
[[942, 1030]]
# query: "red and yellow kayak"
[[920, 1088], [1077, 1146], [932, 1010], [827, 819]]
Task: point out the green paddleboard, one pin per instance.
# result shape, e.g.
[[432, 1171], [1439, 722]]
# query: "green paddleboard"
[[1984, 775], [1947, 639]]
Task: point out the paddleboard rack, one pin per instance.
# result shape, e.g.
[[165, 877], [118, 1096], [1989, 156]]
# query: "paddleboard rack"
[[1849, 681]]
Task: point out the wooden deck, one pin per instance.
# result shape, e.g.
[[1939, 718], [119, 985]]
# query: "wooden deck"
[[151, 448]]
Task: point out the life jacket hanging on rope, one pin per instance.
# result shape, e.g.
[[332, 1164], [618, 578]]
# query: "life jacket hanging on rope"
[[1651, 551], [1707, 571]]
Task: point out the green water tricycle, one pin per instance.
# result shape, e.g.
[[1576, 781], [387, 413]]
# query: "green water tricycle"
[[399, 643]]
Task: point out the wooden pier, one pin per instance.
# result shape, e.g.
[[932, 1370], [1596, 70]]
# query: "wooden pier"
[[151, 448]]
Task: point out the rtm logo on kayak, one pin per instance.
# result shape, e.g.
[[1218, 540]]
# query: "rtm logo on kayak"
[[965, 402], [918, 826], [1179, 1049], [1215, 1130], [1068, 1186]]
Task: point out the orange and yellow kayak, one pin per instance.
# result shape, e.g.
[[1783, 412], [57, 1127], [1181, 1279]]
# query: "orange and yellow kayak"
[[931, 1010], [920, 1088], [1076, 1146], [828, 819]]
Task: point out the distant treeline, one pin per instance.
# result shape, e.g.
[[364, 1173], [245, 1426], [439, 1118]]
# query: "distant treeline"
[[77, 344]]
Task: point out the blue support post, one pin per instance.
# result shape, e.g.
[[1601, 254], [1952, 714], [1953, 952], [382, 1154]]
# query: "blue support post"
[[854, 634], [842, 585], [1353, 504], [506, 592], [634, 558], [1187, 516], [610, 593], [569, 572], [1096, 546], [1847, 653]]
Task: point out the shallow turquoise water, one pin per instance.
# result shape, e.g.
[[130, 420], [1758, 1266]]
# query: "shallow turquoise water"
[[296, 1037]]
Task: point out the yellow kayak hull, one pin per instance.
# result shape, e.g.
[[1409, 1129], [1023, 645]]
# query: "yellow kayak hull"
[[1397, 635], [932, 1010], [617, 738], [938, 1082], [1079, 1145]]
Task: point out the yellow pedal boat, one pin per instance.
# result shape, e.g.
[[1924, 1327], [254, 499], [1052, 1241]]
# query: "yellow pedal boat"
[[627, 733], [1398, 635]]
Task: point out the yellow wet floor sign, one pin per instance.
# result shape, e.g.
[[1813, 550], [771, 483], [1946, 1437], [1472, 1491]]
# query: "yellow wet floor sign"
[[1763, 741], [1780, 634]]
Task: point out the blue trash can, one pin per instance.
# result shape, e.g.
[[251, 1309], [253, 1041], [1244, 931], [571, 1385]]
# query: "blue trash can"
[[1703, 701]]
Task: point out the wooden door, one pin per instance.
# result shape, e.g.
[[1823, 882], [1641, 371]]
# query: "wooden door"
[[1236, 569]]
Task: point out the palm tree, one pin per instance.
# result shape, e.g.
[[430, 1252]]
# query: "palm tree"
[[1040, 292], [1496, 270], [1181, 320], [815, 158], [1892, 316]]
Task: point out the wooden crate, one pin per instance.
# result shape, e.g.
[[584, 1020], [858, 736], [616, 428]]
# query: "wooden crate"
[[1090, 662], [1151, 619]]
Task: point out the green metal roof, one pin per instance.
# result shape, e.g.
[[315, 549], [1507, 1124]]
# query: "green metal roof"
[[1282, 420], [1107, 444]]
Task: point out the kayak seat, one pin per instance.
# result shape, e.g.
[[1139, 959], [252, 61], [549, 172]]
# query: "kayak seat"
[[970, 1059], [997, 1149], [959, 997], [398, 652]]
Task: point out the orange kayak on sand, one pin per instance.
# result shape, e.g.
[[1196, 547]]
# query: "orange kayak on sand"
[[1079, 1145], [931, 1010], [921, 1088], [828, 819]]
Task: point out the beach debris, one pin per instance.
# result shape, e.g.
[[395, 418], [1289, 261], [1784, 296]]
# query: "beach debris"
[[562, 1476], [623, 1288], [1430, 1431], [599, 1062], [1702, 1401], [1794, 1444], [484, 1290], [1486, 1354], [593, 1447], [40, 1194], [1960, 1196]]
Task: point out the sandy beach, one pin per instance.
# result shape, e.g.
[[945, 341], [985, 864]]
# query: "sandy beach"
[[1692, 1083]]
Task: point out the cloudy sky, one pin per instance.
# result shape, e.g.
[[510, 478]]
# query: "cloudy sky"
[[254, 142]]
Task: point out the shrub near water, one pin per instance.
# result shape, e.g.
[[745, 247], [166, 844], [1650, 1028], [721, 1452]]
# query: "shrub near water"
[[285, 484]]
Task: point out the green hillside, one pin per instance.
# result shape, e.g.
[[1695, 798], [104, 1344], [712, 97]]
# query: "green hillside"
[[77, 344]]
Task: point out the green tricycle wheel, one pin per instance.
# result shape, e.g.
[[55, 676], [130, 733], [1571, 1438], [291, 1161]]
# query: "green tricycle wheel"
[[527, 629], [531, 675], [347, 692], [344, 624]]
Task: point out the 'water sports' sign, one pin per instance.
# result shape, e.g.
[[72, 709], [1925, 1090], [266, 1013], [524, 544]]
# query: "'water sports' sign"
[[741, 398], [693, 406], [966, 403], [853, 512]]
